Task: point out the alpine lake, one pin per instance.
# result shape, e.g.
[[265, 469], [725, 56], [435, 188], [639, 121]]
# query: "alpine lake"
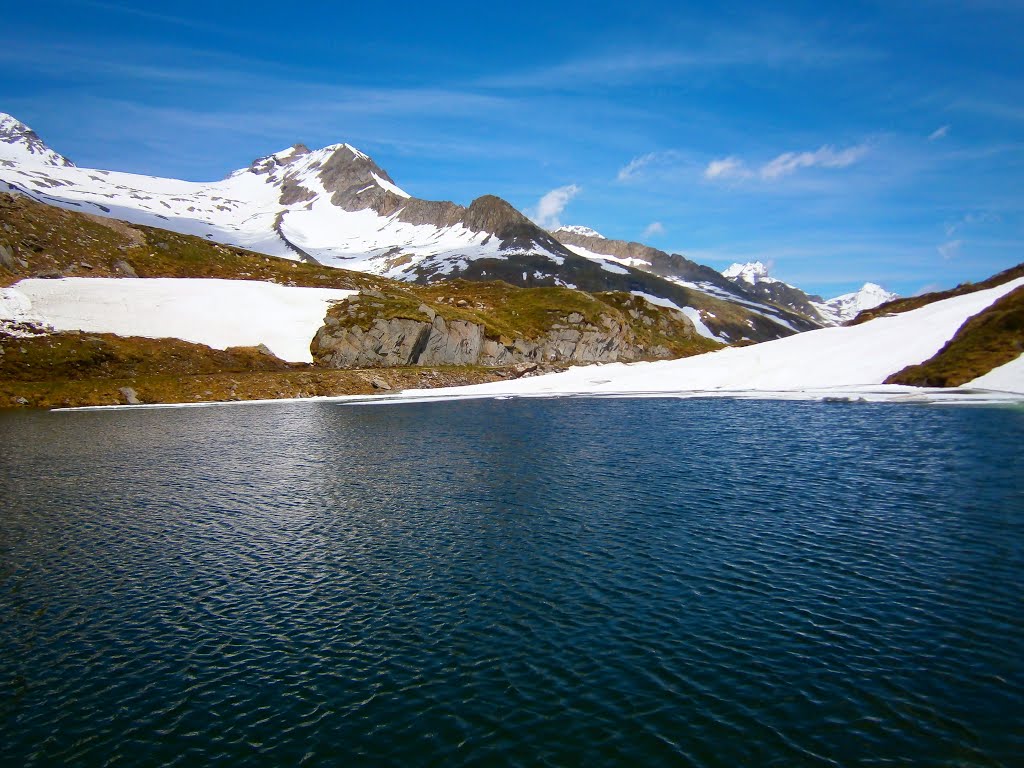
[[519, 582]]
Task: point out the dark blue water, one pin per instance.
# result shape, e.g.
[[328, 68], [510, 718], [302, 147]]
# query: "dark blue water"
[[569, 582]]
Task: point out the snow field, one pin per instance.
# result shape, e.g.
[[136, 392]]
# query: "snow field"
[[218, 313], [853, 359]]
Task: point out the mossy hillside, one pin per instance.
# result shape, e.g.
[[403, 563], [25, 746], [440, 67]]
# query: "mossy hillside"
[[44, 240], [986, 341], [234, 386], [74, 355], [76, 369], [898, 306], [532, 270], [507, 312]]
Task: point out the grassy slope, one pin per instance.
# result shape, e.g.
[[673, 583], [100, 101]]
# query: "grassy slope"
[[989, 339], [73, 368], [52, 240]]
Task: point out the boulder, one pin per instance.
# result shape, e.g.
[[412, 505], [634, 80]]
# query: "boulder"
[[130, 396], [122, 267], [7, 258]]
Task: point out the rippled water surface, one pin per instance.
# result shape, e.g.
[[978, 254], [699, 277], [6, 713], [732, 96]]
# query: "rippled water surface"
[[561, 582]]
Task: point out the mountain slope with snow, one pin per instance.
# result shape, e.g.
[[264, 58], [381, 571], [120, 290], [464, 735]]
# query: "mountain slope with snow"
[[335, 206], [844, 308], [754, 277], [19, 144], [840, 361], [675, 269], [332, 205]]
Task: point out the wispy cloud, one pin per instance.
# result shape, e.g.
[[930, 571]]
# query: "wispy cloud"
[[825, 157], [634, 167], [786, 164], [654, 163], [939, 133], [975, 218], [551, 205], [778, 45], [727, 168], [148, 15], [654, 229], [950, 249]]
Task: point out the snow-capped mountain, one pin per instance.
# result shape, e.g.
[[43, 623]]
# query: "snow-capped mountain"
[[336, 206], [333, 205], [755, 278], [19, 143], [844, 308], [752, 273]]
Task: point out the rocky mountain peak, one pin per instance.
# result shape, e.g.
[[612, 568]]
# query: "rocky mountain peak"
[[347, 173], [20, 143]]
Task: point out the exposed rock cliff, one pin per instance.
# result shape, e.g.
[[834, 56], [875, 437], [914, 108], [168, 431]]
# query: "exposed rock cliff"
[[378, 329]]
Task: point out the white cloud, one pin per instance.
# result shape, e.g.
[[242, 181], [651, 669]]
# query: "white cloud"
[[938, 133], [653, 229], [551, 205], [825, 157], [726, 168], [950, 249]]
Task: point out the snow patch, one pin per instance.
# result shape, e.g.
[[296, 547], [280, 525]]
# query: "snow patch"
[[1005, 378], [752, 272], [218, 313], [385, 184], [582, 231]]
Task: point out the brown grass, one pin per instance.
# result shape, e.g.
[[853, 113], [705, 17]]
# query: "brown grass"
[[986, 341]]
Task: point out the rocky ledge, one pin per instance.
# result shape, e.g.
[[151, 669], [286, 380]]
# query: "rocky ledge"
[[351, 339]]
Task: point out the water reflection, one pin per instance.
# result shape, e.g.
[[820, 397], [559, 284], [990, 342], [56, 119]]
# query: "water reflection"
[[710, 583]]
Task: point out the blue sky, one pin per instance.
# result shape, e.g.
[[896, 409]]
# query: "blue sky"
[[839, 142]]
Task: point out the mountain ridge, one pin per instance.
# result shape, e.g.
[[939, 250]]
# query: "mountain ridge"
[[755, 276]]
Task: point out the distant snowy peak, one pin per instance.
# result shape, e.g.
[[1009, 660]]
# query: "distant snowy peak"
[[752, 273], [844, 308], [581, 231], [21, 144]]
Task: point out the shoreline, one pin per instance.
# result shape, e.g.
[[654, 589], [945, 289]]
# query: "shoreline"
[[864, 395]]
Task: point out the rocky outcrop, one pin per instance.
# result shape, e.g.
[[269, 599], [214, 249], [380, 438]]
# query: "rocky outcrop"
[[433, 340]]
